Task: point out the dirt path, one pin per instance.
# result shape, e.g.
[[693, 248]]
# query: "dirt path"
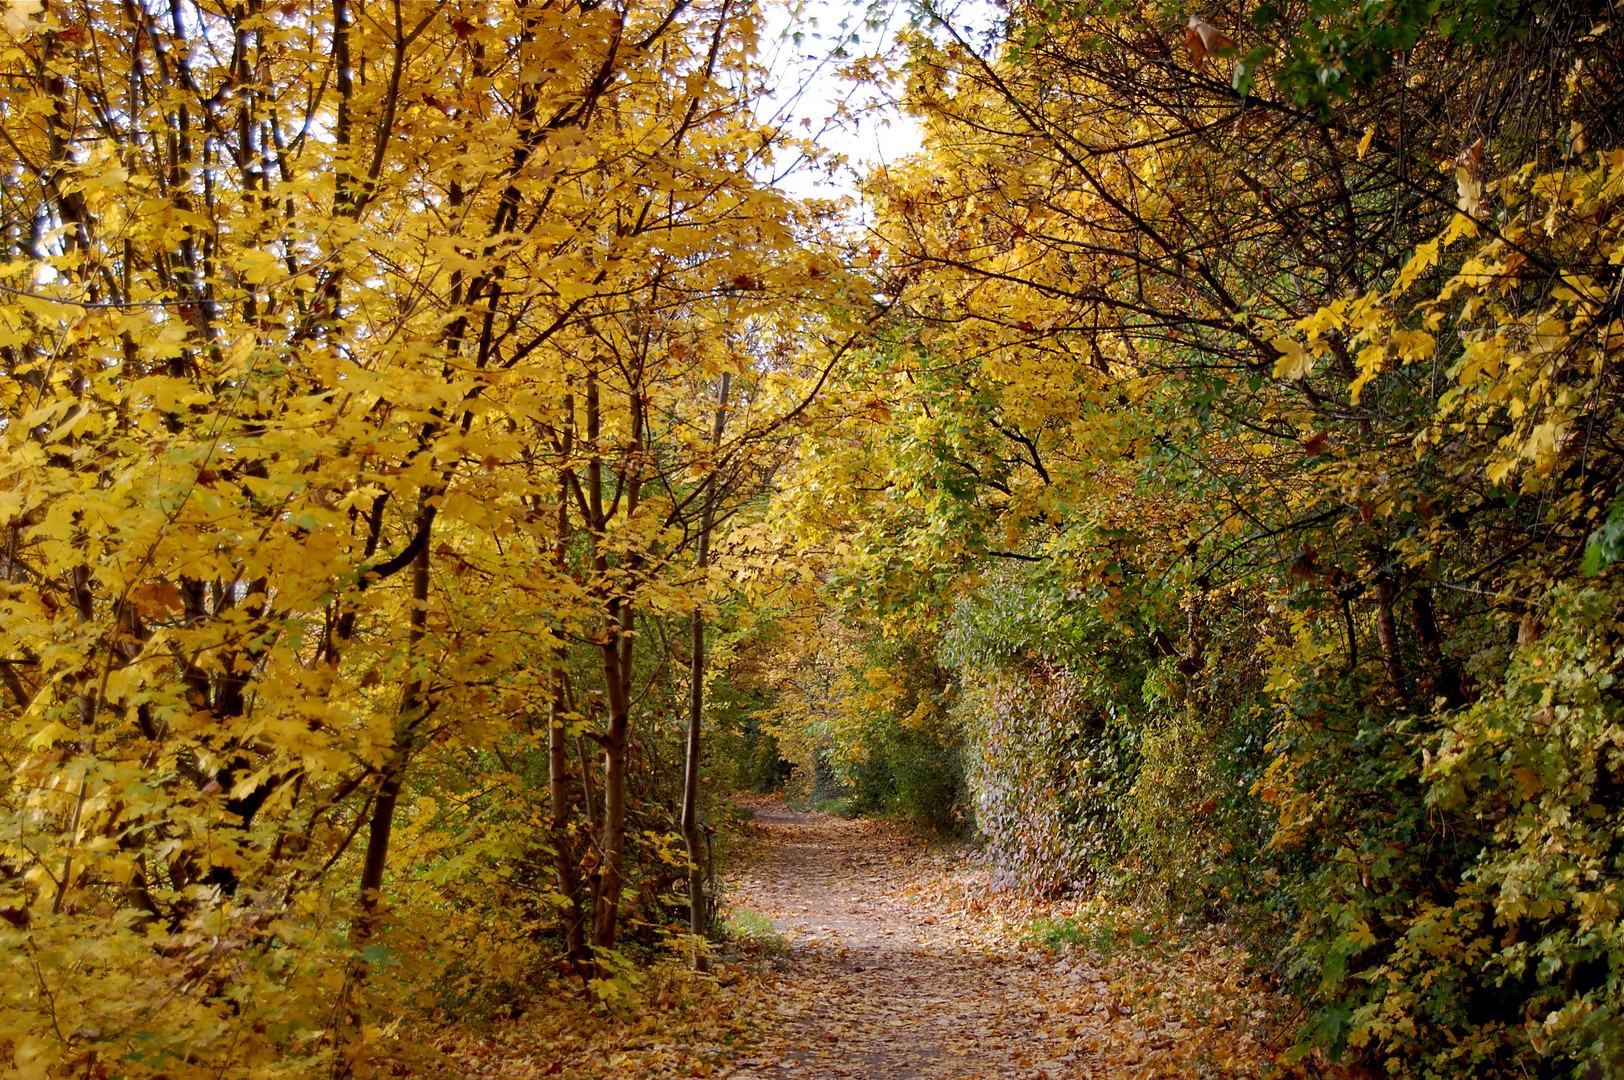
[[886, 984], [887, 960]]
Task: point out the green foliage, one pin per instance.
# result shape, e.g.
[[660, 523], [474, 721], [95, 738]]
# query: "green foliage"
[[1099, 761], [754, 933], [1527, 950], [1055, 748], [916, 775], [1460, 876], [745, 755], [1606, 544], [1104, 935], [834, 805], [1053, 934], [1340, 49], [1109, 937], [1200, 833], [867, 716]]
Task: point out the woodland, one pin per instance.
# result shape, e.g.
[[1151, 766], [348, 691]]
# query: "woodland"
[[443, 466]]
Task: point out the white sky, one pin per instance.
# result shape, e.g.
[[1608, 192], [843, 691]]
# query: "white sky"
[[871, 130], [807, 89]]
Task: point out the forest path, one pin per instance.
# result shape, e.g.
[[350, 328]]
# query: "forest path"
[[889, 959], [889, 978]]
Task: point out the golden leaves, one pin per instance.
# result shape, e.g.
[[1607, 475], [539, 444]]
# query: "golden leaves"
[[1424, 258], [21, 18], [1470, 192], [237, 393], [1294, 362], [158, 600], [1468, 164]]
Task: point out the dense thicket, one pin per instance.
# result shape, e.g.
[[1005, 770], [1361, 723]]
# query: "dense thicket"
[[1251, 461], [374, 374]]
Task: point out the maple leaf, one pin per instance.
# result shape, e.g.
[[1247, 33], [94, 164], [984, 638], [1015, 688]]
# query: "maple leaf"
[[158, 600], [1468, 185], [20, 17], [1295, 362], [1204, 39]]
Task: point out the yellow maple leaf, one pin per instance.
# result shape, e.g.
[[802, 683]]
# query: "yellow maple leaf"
[[1294, 362]]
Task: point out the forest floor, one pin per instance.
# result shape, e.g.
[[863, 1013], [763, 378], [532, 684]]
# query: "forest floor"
[[859, 952], [905, 965]]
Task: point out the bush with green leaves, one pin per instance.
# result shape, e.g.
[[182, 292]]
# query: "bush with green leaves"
[[1046, 704], [1463, 871]]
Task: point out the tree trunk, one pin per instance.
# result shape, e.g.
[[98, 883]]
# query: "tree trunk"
[[616, 665], [616, 651], [617, 590], [382, 823], [564, 846], [696, 699], [1387, 631], [1443, 676], [381, 827]]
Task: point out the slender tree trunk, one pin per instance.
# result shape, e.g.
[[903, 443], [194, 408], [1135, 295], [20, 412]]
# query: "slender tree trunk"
[[1353, 638], [612, 836], [86, 703], [564, 846], [380, 826], [696, 699], [412, 703], [1443, 675], [616, 658], [690, 780], [1387, 631], [616, 646]]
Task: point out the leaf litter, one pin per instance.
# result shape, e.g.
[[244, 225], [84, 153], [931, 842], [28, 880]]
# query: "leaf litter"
[[888, 958]]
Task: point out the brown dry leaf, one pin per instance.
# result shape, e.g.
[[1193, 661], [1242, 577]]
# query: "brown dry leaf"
[[1203, 39]]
